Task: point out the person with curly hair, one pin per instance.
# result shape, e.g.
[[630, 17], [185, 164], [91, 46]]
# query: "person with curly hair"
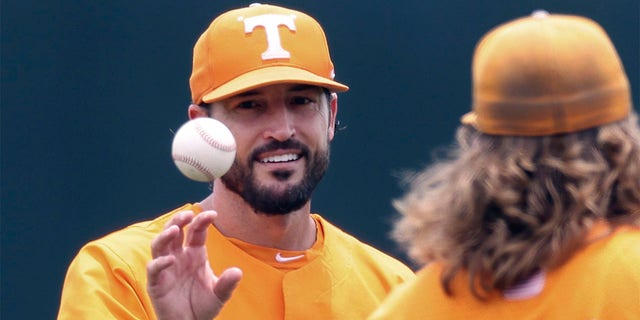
[[535, 212]]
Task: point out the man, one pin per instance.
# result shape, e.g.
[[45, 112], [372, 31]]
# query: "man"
[[266, 73], [537, 213]]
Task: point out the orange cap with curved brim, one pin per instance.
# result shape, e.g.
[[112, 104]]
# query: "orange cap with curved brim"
[[260, 45], [547, 74]]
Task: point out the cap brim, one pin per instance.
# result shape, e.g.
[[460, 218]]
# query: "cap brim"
[[268, 76]]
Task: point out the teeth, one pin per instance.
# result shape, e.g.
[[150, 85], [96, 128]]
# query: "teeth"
[[281, 158]]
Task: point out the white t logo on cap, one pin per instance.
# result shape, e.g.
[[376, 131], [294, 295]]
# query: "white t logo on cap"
[[271, 22]]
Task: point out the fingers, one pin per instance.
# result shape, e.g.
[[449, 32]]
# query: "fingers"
[[162, 244], [227, 282], [197, 234], [155, 268], [180, 220], [170, 239]]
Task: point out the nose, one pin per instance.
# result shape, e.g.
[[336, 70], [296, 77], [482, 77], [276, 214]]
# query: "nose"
[[280, 124]]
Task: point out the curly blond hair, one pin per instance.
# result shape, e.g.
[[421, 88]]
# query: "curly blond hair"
[[504, 207]]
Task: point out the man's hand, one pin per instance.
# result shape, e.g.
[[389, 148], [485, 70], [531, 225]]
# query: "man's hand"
[[180, 281]]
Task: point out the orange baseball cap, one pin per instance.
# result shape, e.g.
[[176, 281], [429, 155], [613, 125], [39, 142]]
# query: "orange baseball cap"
[[547, 74], [260, 45]]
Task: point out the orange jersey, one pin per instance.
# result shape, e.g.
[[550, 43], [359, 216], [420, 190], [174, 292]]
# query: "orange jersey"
[[346, 279], [601, 281]]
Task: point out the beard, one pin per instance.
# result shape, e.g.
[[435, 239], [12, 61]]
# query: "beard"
[[241, 179]]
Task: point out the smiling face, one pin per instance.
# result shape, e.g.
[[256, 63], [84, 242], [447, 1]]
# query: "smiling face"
[[282, 132]]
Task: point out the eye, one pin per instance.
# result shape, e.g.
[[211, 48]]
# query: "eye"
[[247, 105], [301, 100]]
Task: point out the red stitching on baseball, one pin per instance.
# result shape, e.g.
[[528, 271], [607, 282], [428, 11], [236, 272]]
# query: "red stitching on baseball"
[[195, 164], [213, 142]]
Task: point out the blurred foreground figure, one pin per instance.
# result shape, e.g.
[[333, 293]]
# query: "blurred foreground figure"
[[535, 214]]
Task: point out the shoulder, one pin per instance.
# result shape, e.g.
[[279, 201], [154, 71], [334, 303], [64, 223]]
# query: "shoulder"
[[609, 263], [128, 244], [406, 301], [621, 248], [340, 243], [619, 254], [627, 238]]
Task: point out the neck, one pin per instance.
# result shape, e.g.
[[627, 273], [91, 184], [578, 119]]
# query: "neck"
[[237, 219]]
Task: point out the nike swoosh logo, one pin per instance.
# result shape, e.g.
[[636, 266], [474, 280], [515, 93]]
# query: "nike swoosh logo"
[[280, 258]]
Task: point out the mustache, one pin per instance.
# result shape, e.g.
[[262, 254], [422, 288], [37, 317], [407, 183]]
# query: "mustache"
[[278, 145]]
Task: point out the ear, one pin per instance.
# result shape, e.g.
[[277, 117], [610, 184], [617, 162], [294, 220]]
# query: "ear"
[[196, 111], [333, 113]]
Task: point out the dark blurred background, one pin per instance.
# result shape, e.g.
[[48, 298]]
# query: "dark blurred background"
[[92, 90]]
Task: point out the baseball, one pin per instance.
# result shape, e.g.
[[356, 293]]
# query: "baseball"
[[203, 149]]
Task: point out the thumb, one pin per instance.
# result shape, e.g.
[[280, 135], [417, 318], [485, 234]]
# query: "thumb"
[[227, 282]]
